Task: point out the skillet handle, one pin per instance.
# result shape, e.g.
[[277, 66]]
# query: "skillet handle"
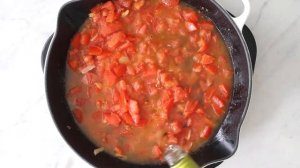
[[241, 20]]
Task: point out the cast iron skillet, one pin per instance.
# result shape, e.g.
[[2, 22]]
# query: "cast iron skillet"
[[220, 147]]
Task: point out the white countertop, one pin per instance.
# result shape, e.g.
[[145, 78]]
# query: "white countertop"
[[270, 135]]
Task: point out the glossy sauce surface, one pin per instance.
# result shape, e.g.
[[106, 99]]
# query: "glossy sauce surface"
[[144, 74]]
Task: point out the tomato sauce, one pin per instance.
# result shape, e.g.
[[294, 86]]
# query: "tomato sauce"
[[144, 74]]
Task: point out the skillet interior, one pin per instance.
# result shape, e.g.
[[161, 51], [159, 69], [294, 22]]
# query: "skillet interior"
[[220, 147]]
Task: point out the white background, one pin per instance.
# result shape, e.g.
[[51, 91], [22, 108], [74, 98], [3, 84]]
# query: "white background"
[[270, 135]]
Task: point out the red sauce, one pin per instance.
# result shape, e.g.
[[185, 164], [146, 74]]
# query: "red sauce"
[[145, 74]]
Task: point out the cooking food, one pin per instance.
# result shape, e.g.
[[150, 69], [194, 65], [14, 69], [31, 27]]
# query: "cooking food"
[[143, 74]]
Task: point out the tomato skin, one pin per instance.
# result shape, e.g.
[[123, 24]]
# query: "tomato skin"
[[203, 46], [78, 115], [125, 3]]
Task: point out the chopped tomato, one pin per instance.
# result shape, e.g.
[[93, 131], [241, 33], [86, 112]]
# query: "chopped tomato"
[[208, 94], [74, 91], [73, 64], [127, 119], [172, 139], [190, 15], [156, 151], [76, 41], [190, 108], [176, 127], [125, 3], [95, 50], [134, 111], [217, 101], [224, 90], [207, 59], [89, 78], [119, 69], [170, 3], [190, 26], [78, 115], [212, 69], [115, 39], [112, 119], [179, 94], [197, 67], [202, 45], [167, 102], [110, 77], [206, 25], [206, 132], [85, 39]]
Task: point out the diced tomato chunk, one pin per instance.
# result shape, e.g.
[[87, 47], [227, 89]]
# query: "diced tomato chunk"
[[179, 94], [134, 111], [224, 90], [190, 15], [170, 3], [212, 69], [206, 25], [78, 115], [176, 127], [112, 119], [218, 111], [95, 50], [85, 39], [109, 77], [125, 3], [156, 151], [127, 119], [202, 44], [208, 94], [119, 69], [206, 132], [76, 41], [80, 102], [190, 108], [197, 68], [207, 59], [89, 78], [217, 101], [172, 139], [73, 64], [190, 26], [109, 28], [74, 91], [115, 39], [167, 102]]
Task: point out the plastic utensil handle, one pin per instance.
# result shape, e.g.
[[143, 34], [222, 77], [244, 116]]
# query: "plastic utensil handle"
[[241, 20]]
